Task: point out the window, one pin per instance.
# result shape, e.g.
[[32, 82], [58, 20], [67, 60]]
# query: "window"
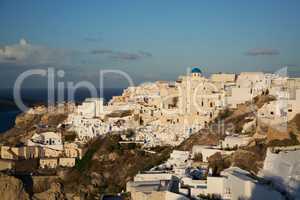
[[272, 113], [290, 110], [227, 191]]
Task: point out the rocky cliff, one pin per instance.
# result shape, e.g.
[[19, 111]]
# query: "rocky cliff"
[[12, 188]]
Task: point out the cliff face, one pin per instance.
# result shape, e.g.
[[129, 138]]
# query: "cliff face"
[[26, 126], [108, 165], [12, 188], [55, 192], [42, 183], [286, 134], [202, 138], [22, 131], [43, 188]]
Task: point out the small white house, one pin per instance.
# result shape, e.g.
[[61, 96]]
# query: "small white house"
[[235, 141], [179, 160], [49, 163], [235, 184], [208, 151], [66, 162], [196, 186], [91, 107], [50, 140]]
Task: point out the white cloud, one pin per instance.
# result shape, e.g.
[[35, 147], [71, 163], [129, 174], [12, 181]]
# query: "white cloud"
[[262, 52], [26, 53], [118, 55]]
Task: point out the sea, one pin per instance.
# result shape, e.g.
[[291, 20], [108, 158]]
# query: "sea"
[[9, 111]]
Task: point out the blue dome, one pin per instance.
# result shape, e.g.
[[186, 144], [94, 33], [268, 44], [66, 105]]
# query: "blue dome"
[[196, 70]]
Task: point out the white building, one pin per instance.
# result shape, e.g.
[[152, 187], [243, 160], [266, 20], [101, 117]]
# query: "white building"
[[154, 186], [66, 162], [224, 78], [166, 113], [235, 141], [200, 100], [49, 140], [281, 110], [248, 86], [91, 107], [87, 128], [180, 161], [49, 163], [283, 169], [219, 187], [196, 187], [152, 176], [251, 79], [207, 151], [293, 106], [236, 184]]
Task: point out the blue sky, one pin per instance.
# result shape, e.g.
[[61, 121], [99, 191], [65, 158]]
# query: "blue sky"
[[149, 40]]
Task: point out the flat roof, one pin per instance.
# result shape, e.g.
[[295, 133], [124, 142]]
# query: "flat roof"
[[145, 186]]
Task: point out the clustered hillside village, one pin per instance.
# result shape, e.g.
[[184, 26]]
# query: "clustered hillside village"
[[229, 136]]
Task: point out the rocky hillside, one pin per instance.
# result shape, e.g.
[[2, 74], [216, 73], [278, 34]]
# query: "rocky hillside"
[[108, 165], [294, 127], [251, 157], [12, 188], [26, 125], [55, 192], [105, 168], [203, 137], [284, 135]]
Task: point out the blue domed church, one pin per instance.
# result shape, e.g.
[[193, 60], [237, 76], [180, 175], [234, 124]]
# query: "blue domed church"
[[196, 72]]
